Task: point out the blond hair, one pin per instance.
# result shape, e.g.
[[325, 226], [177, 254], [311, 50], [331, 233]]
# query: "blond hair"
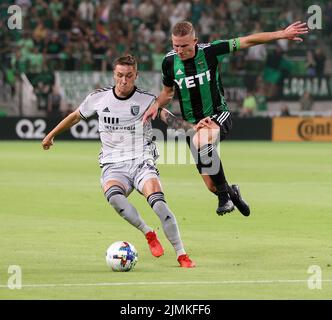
[[183, 28]]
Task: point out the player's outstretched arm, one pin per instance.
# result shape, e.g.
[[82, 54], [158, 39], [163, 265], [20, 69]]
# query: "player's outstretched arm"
[[63, 125], [163, 100], [174, 122], [292, 32]]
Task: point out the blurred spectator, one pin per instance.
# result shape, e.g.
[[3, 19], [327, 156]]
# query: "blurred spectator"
[[144, 33], [261, 100], [306, 101], [249, 105], [102, 17], [65, 21], [129, 9], [108, 59], [86, 63], [273, 72], [40, 32], [86, 10], [328, 15], [55, 7], [174, 16], [257, 53], [69, 108], [235, 6], [310, 64], [223, 13], [167, 8], [24, 5], [25, 45], [238, 62], [67, 59], [98, 47], [42, 90], [157, 57], [115, 9], [183, 9], [197, 8], [42, 83], [320, 59], [54, 103], [18, 64], [254, 10], [41, 7], [144, 59], [158, 35], [146, 12], [53, 44], [32, 19], [35, 61], [284, 111], [165, 25], [206, 22]]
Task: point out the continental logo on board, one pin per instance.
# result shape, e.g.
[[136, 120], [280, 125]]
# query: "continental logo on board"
[[301, 129]]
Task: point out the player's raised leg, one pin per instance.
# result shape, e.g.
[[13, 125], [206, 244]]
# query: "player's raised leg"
[[209, 164]]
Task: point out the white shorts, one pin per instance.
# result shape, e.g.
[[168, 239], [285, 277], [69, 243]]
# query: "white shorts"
[[131, 174]]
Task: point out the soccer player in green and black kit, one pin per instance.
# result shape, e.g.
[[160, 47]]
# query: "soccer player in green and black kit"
[[193, 70]]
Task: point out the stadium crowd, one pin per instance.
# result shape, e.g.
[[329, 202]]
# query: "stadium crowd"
[[89, 34]]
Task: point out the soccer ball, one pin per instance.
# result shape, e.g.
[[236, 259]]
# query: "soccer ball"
[[121, 256]]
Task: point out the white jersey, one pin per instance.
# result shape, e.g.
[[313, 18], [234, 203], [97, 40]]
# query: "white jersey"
[[121, 129]]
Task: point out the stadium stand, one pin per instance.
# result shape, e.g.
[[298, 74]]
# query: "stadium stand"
[[87, 35]]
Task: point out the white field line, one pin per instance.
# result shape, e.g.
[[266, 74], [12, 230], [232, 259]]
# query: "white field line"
[[163, 283]]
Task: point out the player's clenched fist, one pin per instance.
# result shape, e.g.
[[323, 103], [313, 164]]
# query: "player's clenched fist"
[[47, 143]]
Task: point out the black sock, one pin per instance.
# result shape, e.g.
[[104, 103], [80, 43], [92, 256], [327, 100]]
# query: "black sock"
[[210, 163]]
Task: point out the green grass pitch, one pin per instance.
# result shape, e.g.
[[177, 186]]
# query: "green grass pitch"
[[56, 226]]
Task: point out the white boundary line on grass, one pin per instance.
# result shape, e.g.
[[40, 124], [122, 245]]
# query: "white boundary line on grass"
[[162, 283]]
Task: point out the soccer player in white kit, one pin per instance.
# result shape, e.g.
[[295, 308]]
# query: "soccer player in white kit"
[[128, 154]]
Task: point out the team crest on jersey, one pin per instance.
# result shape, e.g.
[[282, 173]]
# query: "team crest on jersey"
[[201, 64], [134, 110]]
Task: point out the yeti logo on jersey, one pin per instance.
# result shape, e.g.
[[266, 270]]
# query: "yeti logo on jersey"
[[189, 82], [134, 110]]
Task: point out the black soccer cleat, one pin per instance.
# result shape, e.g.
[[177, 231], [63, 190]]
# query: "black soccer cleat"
[[238, 200], [224, 206]]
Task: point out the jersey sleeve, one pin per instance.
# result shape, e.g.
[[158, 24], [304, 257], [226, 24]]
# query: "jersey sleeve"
[[222, 47], [166, 74], [87, 107], [152, 101]]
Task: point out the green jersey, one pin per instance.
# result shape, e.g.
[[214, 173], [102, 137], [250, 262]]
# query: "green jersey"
[[197, 80]]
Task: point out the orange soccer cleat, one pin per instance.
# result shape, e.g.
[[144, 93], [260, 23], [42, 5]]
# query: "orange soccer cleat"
[[155, 247], [185, 261]]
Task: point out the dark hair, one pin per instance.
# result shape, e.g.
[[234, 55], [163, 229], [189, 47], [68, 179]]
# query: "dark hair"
[[183, 28], [127, 60]]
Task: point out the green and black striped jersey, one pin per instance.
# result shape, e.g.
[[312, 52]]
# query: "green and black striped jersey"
[[197, 80]]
